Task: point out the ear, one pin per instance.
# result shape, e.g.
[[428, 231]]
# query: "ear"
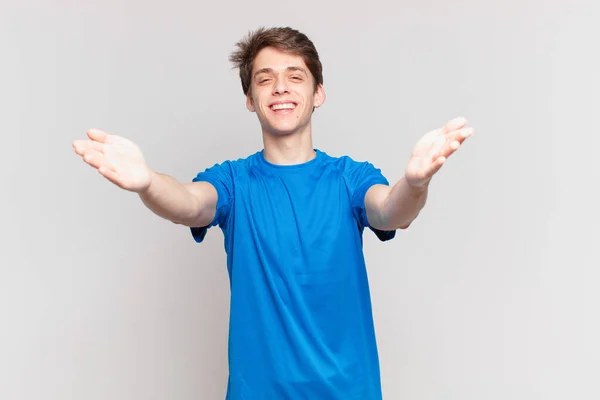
[[319, 96], [250, 103]]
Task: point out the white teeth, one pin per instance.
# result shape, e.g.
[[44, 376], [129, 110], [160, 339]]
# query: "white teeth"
[[283, 106]]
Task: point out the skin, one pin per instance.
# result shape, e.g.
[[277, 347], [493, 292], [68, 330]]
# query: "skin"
[[397, 206], [287, 137], [282, 77]]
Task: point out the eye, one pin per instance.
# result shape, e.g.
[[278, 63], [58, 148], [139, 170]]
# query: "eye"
[[297, 78], [263, 80]]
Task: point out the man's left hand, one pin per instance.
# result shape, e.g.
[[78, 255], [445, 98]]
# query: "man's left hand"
[[433, 149]]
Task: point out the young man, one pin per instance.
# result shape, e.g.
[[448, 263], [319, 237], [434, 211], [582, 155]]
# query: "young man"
[[301, 325]]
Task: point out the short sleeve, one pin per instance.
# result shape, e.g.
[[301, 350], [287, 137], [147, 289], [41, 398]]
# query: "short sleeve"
[[220, 176], [361, 176]]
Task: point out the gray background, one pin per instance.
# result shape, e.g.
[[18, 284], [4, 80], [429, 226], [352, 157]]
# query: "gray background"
[[491, 294]]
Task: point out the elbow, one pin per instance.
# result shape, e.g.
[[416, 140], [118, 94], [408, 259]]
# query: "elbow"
[[390, 225], [408, 223]]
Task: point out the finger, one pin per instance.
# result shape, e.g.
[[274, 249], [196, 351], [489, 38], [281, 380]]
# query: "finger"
[[110, 174], [462, 134], [97, 160], [454, 124], [437, 146], [449, 148], [97, 135], [459, 135], [452, 143], [435, 138], [435, 166], [83, 146]]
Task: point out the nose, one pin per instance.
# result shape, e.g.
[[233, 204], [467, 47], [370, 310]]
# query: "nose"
[[280, 87]]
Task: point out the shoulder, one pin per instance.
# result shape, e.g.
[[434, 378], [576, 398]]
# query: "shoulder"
[[358, 174], [345, 163], [334, 160], [233, 167]]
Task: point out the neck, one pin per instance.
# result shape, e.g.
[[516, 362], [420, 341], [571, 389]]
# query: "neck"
[[291, 149]]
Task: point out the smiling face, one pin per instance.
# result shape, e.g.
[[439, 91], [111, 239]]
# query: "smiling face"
[[282, 92]]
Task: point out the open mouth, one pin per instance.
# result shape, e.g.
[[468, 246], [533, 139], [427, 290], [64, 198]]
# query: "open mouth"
[[283, 108]]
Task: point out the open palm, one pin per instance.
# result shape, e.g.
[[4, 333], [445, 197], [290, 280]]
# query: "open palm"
[[118, 159], [432, 150]]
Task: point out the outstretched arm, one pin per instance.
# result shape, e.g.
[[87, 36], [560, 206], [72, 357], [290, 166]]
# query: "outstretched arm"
[[121, 162], [395, 207]]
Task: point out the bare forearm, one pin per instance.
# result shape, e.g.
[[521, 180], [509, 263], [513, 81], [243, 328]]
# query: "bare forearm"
[[403, 204], [170, 199]]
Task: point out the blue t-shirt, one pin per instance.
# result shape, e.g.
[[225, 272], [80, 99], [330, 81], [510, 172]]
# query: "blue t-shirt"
[[301, 325]]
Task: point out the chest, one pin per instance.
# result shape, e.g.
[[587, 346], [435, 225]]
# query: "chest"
[[296, 219]]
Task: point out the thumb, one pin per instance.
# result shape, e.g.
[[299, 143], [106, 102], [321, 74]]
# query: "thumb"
[[97, 135]]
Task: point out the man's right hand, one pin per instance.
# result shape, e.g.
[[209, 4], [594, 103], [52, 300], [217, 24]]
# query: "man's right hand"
[[118, 159]]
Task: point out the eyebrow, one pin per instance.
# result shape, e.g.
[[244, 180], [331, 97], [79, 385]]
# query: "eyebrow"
[[270, 70]]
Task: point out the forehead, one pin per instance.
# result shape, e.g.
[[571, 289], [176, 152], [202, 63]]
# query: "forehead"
[[277, 60]]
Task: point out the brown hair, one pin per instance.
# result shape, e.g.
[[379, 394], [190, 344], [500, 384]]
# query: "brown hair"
[[285, 39]]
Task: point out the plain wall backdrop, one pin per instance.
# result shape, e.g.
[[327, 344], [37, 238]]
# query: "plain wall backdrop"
[[491, 294]]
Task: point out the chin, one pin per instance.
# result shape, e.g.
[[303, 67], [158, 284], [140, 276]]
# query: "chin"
[[281, 132], [283, 126]]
